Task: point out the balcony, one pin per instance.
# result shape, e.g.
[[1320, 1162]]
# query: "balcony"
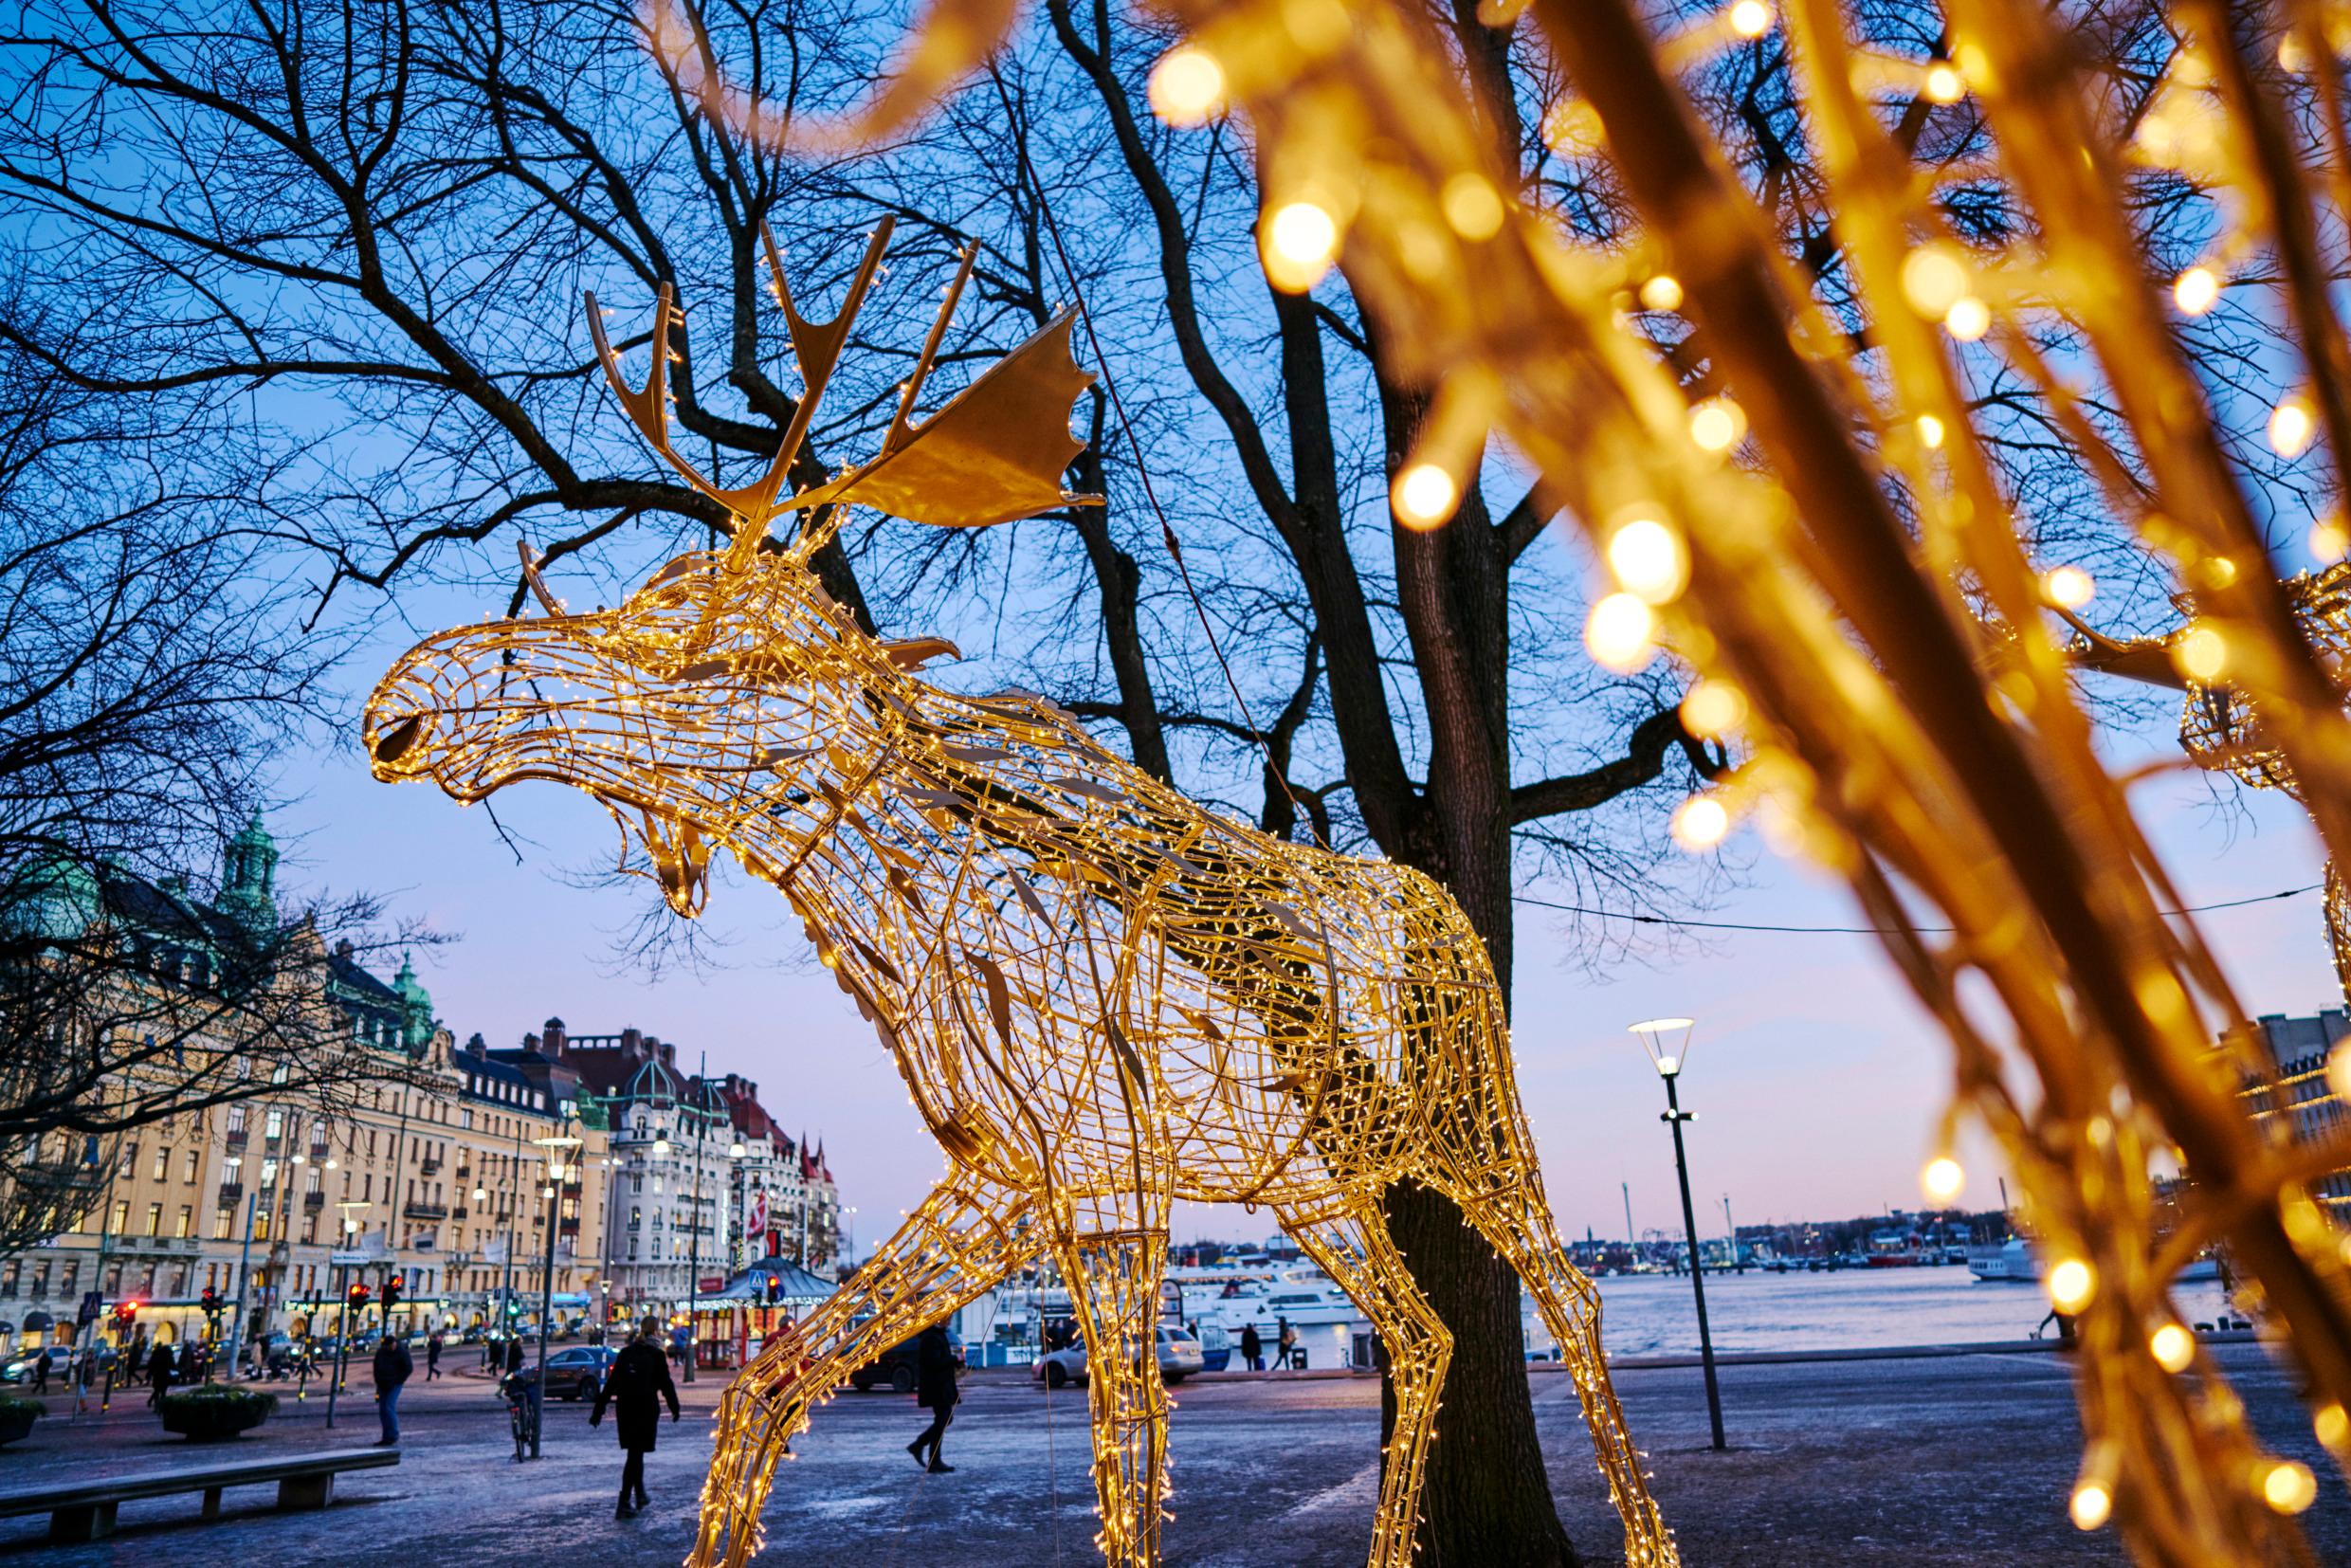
[[320, 1151], [236, 1138], [314, 1200], [464, 1172], [232, 1193], [428, 1167], [426, 1211], [457, 1214]]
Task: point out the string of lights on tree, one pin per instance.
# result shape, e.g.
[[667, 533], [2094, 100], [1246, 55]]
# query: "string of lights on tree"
[[1901, 678]]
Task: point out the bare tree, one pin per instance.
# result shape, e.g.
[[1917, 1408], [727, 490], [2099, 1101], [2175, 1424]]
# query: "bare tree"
[[153, 669]]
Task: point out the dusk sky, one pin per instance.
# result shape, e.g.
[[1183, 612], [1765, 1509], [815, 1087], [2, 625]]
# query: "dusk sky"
[[1816, 1082]]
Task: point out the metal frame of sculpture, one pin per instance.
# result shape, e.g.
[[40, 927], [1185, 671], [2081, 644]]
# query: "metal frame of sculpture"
[[1102, 996]]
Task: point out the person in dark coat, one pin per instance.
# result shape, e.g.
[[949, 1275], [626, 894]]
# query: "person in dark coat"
[[432, 1356], [1252, 1348], [392, 1368], [160, 1366], [935, 1390], [635, 1387]]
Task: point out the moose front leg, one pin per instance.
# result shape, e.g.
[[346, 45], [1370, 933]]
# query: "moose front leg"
[[1367, 1267], [1114, 1291], [964, 1238]]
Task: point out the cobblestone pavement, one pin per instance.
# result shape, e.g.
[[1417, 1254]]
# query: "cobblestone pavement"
[[1959, 1461]]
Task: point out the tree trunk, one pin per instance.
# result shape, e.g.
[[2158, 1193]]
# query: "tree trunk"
[[1488, 1499]]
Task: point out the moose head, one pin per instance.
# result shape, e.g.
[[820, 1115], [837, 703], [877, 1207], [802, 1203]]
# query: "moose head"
[[720, 685]]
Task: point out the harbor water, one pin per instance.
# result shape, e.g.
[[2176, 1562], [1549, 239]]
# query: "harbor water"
[[1849, 1309]]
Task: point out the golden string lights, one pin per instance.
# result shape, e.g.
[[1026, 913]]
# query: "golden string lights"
[[1102, 996]]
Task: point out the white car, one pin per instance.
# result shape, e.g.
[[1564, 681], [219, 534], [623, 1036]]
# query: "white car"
[[1179, 1358]]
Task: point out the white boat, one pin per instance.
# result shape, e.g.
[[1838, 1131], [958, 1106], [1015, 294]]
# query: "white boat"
[[2016, 1261], [2012, 1262]]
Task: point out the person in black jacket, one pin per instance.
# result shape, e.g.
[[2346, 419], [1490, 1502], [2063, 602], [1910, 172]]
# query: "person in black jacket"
[[392, 1367], [637, 1384], [160, 1370], [935, 1390]]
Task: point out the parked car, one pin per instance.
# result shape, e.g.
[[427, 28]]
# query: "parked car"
[[896, 1366], [576, 1372], [1179, 1358], [19, 1368]]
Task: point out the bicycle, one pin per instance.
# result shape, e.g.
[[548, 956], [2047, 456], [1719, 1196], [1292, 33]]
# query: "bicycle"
[[523, 1409]]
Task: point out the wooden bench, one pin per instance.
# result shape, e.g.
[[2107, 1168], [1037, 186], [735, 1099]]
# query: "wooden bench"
[[86, 1512]]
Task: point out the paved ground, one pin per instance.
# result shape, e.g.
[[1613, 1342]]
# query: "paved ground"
[[1956, 1461]]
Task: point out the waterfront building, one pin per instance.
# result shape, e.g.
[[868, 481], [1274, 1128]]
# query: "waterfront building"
[[2298, 1048]]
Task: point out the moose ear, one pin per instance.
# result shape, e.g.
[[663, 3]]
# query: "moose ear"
[[995, 453]]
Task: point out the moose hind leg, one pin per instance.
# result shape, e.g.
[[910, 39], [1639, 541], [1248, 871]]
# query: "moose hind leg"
[[1365, 1264], [1114, 1292], [962, 1239], [1517, 1220]]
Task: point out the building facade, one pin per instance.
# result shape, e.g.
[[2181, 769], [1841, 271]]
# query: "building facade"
[[2299, 1048], [592, 1172], [701, 1181], [435, 1176]]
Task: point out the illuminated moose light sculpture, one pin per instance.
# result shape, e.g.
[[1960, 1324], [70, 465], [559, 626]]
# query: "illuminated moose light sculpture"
[[1102, 996]]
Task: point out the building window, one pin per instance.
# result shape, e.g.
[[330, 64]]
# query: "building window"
[[222, 1220], [154, 1219], [261, 1225], [310, 1226], [187, 1221], [310, 1180], [195, 1162], [122, 1216], [69, 1277], [275, 1126], [163, 1163], [130, 1159], [236, 1120]]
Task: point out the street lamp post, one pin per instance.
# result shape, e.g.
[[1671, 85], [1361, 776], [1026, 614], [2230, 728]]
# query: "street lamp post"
[[342, 1307], [556, 1147], [694, 1214], [1666, 1040]]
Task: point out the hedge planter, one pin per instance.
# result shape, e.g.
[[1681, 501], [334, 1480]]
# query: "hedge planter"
[[216, 1412], [17, 1416]]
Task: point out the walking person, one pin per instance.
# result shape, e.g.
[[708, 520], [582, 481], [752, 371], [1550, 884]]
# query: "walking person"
[[136, 1366], [392, 1367], [1253, 1349], [935, 1390], [432, 1356], [80, 1373], [635, 1387], [40, 1371], [1288, 1344], [161, 1365]]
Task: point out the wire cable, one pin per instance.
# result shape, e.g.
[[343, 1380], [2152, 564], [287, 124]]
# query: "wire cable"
[[1859, 930]]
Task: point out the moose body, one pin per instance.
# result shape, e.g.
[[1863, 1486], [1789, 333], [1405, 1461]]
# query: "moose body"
[[1102, 996]]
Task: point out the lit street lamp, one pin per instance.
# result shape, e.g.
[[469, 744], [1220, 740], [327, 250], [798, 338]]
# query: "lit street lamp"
[[1666, 1040], [556, 1147]]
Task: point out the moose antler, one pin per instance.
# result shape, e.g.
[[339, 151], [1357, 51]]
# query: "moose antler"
[[815, 345], [995, 453]]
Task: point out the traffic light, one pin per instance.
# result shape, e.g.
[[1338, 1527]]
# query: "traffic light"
[[126, 1314], [360, 1294], [209, 1304], [392, 1292], [775, 1288], [514, 1307]]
